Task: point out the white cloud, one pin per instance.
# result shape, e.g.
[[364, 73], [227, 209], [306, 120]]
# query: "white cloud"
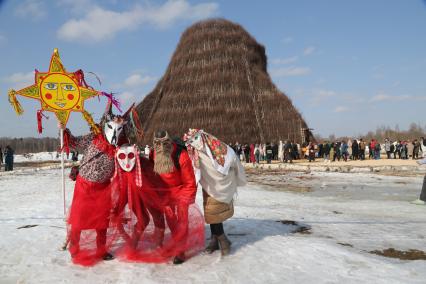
[[19, 80], [136, 80], [351, 99], [396, 84], [31, 9], [380, 97], [290, 71], [320, 81], [378, 72], [319, 96], [309, 50], [3, 39], [77, 6], [341, 109], [378, 75], [325, 93], [383, 97], [287, 40], [101, 24], [126, 97], [133, 87], [287, 60], [173, 11]]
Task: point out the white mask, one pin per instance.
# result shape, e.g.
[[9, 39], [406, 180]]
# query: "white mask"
[[196, 141], [112, 130], [126, 157]]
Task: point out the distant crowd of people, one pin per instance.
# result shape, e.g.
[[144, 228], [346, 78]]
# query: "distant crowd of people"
[[287, 151], [330, 151], [6, 157]]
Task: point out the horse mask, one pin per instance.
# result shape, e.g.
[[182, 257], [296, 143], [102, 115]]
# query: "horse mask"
[[113, 125]]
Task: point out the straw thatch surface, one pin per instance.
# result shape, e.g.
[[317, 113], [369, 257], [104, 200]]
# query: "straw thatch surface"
[[217, 81]]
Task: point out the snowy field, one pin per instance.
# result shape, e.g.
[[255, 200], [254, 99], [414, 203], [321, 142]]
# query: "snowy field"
[[349, 215], [42, 157]]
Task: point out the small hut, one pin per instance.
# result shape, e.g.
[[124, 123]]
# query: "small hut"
[[217, 80]]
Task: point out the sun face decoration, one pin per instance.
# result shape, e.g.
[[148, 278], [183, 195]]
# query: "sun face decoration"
[[58, 91]]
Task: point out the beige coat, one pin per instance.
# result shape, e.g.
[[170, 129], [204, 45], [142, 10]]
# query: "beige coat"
[[215, 211], [219, 189]]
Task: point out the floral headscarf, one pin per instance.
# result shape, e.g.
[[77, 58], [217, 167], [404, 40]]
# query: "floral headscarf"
[[220, 153]]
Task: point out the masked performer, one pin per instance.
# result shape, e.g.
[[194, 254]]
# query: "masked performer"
[[132, 220], [176, 225], [91, 205], [219, 172]]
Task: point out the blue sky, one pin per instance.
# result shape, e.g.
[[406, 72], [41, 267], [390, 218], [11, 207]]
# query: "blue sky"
[[348, 66]]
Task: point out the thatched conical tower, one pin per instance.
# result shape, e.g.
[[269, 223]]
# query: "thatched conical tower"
[[217, 80]]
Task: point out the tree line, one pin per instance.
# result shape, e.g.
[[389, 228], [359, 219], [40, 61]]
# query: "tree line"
[[30, 144]]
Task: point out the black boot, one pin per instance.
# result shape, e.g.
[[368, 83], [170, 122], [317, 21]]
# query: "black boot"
[[108, 256], [213, 245], [179, 259]]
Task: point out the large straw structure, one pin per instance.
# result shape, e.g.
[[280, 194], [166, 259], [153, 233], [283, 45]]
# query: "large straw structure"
[[217, 81]]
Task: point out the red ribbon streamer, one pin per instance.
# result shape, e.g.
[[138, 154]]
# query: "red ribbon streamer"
[[66, 146], [40, 116], [80, 79]]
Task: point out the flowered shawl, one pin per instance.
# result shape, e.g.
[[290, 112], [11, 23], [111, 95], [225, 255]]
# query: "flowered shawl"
[[220, 154]]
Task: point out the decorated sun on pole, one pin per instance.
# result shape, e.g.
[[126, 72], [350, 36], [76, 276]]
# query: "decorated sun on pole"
[[60, 92]]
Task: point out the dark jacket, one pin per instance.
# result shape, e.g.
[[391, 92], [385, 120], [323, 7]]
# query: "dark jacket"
[[327, 147], [8, 155], [268, 149]]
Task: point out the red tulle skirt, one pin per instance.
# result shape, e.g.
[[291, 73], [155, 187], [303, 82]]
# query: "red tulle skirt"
[[89, 230], [153, 224]]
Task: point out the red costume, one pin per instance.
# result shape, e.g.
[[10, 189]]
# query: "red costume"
[[91, 208], [91, 205], [127, 186], [177, 226]]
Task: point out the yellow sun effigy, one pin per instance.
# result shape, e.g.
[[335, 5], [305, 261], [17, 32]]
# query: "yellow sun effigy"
[[58, 91]]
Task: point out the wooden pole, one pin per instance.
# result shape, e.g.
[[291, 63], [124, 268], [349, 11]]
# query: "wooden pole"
[[63, 170]]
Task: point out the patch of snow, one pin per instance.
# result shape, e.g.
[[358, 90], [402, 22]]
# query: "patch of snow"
[[42, 157], [372, 213]]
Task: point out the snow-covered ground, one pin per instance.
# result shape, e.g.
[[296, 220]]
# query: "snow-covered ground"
[[363, 212], [41, 157]]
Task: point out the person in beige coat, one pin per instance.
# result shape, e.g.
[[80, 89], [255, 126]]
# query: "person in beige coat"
[[219, 172]]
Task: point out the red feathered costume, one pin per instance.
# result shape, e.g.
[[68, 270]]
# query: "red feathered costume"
[[162, 220]]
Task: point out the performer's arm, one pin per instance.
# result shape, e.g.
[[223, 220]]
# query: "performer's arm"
[[79, 142], [189, 188]]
